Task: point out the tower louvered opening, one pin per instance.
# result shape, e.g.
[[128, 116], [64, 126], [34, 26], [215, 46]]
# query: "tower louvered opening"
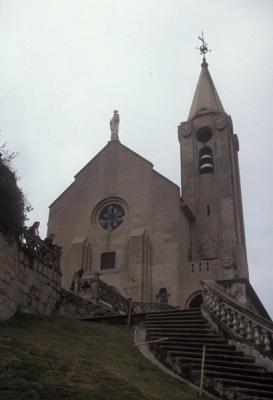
[[206, 164]]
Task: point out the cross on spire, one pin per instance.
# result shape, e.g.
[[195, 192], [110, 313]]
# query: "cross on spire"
[[203, 48]]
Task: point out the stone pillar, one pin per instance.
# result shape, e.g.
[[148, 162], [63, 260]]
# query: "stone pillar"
[[139, 265], [95, 292]]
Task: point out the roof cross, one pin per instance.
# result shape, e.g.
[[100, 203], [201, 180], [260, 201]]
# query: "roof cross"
[[203, 48]]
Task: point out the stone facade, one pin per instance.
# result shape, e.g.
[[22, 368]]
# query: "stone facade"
[[25, 285], [132, 225], [152, 222]]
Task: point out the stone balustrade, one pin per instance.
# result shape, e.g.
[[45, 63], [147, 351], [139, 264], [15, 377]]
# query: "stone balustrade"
[[242, 321], [86, 286], [201, 266], [36, 249], [94, 288], [111, 296]]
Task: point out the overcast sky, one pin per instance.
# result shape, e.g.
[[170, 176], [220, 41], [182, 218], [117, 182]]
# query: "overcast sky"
[[67, 64]]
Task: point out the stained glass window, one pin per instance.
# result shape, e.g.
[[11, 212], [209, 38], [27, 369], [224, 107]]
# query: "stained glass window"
[[111, 216]]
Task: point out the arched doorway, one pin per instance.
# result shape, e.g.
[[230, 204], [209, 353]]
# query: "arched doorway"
[[195, 300]]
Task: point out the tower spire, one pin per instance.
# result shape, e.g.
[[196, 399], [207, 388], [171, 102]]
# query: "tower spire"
[[205, 97]]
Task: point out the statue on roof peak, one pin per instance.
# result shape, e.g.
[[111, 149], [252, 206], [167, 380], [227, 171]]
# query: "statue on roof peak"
[[114, 125]]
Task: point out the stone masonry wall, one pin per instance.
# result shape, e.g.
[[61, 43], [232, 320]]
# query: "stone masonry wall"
[[26, 285]]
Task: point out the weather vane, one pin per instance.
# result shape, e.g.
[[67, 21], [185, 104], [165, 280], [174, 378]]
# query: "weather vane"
[[203, 48]]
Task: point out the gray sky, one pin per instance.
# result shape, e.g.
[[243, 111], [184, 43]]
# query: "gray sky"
[[67, 64]]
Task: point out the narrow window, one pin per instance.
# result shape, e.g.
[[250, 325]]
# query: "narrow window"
[[163, 296], [108, 260], [208, 209]]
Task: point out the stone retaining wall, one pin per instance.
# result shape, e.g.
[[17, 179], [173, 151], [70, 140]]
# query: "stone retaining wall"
[[26, 285]]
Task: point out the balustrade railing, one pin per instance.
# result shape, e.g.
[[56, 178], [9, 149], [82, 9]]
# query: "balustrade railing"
[[111, 296], [86, 285], [241, 320], [95, 288], [36, 249]]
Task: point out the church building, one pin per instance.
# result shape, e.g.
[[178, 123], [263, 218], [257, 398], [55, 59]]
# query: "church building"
[[147, 237]]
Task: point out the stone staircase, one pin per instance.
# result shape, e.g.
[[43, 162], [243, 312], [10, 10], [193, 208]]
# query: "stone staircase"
[[90, 287], [229, 374]]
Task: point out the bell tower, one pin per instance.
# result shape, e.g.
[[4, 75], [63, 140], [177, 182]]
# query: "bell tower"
[[211, 182]]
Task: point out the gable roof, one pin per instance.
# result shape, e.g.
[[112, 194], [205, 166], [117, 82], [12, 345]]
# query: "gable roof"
[[105, 148], [112, 143]]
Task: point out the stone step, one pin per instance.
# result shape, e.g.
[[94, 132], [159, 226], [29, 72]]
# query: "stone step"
[[240, 390], [176, 317], [215, 359], [252, 393], [202, 334], [178, 329], [210, 348], [242, 384], [229, 367], [245, 380], [262, 394], [190, 312], [188, 339], [245, 396], [191, 325], [174, 314], [204, 329]]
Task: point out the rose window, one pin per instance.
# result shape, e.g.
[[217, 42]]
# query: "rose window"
[[111, 216]]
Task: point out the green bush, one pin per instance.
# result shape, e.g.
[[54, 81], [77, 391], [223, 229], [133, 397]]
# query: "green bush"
[[13, 205]]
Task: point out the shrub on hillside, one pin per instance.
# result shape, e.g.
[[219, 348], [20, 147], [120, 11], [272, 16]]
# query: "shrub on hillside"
[[13, 205]]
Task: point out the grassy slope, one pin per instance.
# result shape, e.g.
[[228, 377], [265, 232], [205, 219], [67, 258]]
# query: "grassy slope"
[[60, 359]]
